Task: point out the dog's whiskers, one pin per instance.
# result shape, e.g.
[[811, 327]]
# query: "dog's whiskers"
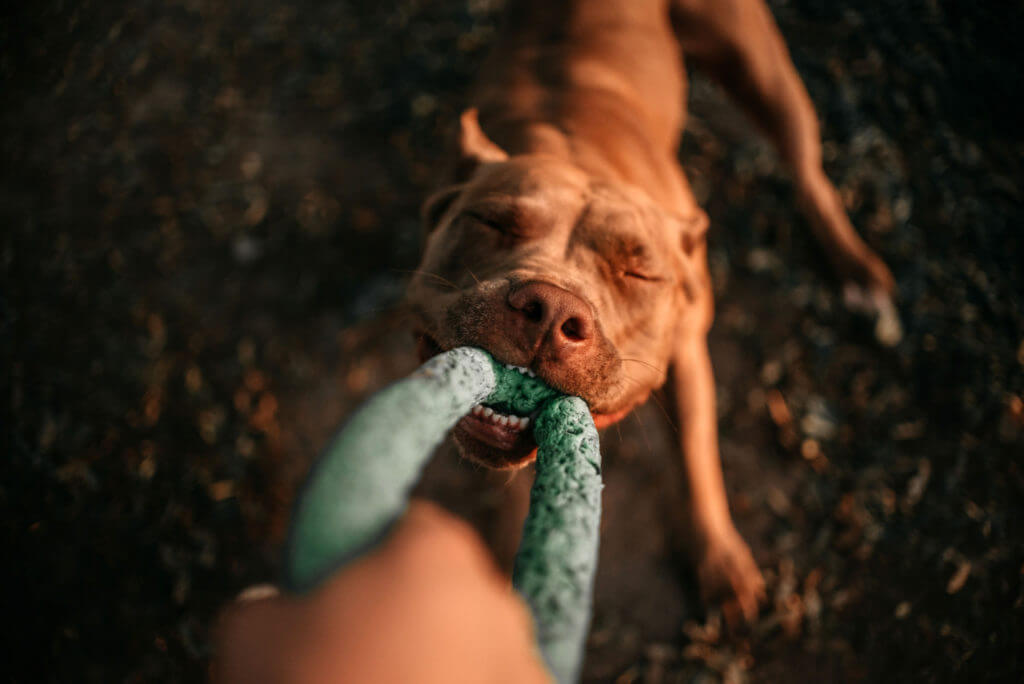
[[473, 275], [657, 401], [627, 376], [656, 369], [440, 279], [643, 431], [664, 412]]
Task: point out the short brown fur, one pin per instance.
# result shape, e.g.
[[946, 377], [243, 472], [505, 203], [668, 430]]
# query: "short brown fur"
[[567, 239]]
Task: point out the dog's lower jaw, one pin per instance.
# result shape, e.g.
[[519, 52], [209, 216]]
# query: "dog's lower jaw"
[[516, 455], [603, 420]]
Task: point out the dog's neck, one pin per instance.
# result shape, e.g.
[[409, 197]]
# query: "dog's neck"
[[606, 154], [564, 80]]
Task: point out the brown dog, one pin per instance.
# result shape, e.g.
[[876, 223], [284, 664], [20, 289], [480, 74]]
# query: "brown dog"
[[568, 241]]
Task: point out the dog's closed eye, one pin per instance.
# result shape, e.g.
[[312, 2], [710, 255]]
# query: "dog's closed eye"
[[636, 263], [641, 275], [508, 220], [487, 221]]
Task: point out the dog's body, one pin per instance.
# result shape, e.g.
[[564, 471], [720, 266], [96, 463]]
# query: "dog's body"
[[568, 241]]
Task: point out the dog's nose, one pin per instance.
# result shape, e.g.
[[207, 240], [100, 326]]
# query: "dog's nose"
[[551, 316]]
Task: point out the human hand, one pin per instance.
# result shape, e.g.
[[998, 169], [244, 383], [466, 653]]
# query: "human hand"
[[428, 605]]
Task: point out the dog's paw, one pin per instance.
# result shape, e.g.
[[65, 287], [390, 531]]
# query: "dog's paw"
[[878, 305], [258, 592], [863, 268], [729, 576]]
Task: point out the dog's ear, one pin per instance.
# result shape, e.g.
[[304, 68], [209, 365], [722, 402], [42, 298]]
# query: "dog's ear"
[[694, 230], [475, 148], [693, 233]]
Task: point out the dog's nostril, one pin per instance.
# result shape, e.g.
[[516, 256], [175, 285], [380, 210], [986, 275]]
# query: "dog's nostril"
[[551, 315], [573, 330]]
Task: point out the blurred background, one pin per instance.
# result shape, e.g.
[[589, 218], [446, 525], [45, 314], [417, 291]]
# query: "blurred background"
[[208, 212]]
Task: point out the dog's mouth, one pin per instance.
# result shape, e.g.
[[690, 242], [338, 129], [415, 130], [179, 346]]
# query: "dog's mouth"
[[495, 438], [492, 435], [495, 435]]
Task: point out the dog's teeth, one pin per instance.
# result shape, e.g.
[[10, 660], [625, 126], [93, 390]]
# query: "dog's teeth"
[[521, 369], [502, 419]]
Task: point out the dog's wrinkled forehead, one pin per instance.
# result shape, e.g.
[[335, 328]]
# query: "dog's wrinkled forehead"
[[528, 190], [541, 195], [541, 216]]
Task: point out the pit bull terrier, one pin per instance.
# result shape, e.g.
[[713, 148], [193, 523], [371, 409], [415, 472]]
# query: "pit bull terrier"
[[567, 241]]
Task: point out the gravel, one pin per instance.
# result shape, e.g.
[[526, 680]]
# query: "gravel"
[[208, 213]]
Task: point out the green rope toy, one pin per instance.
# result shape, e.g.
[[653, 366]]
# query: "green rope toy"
[[361, 485]]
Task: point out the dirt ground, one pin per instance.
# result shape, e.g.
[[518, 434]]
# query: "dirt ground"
[[208, 211]]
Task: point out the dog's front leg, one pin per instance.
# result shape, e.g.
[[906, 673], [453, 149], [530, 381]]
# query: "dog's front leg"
[[725, 568], [738, 43]]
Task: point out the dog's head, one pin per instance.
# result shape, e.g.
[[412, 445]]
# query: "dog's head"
[[582, 282]]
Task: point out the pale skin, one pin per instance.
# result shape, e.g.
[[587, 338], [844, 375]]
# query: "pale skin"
[[426, 606]]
